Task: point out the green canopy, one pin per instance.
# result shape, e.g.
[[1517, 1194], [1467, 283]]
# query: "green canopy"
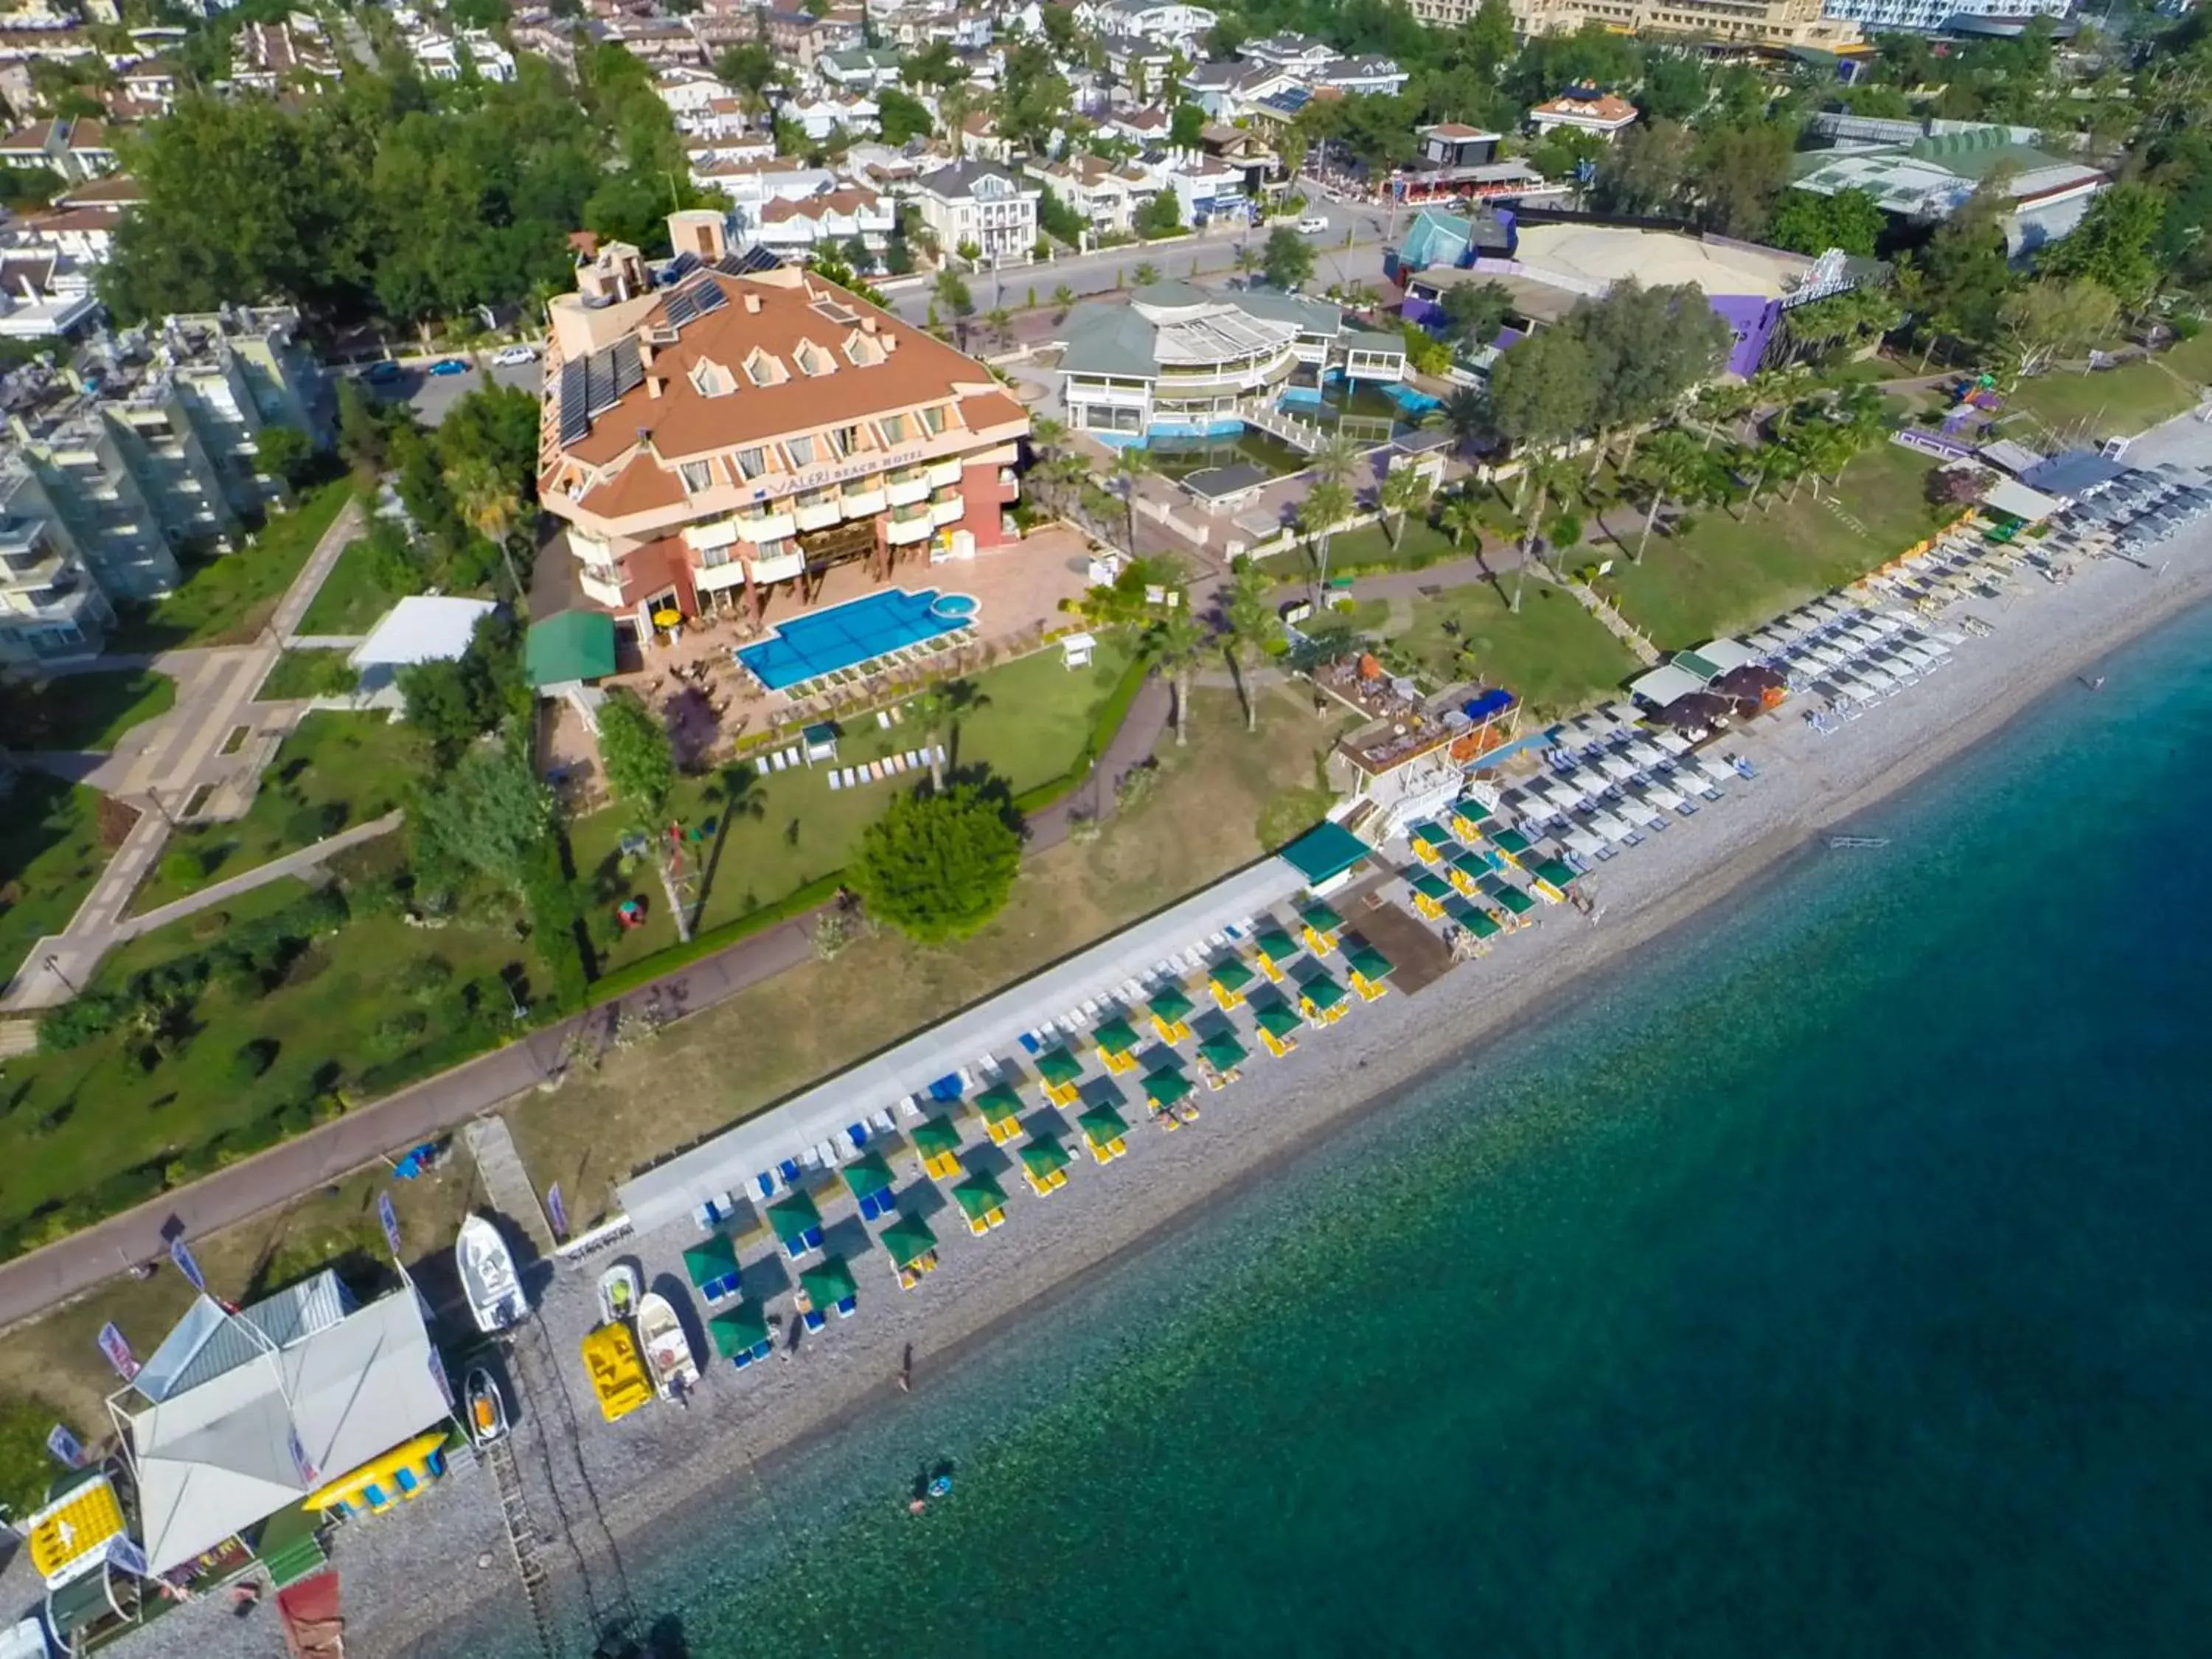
[[828, 1284], [1043, 1155], [1102, 1123], [1369, 964], [1324, 853], [1232, 976], [1166, 1086], [1277, 1019], [1557, 872], [792, 1216], [1275, 945], [908, 1239], [744, 1328], [1170, 1004], [1432, 887], [717, 1258], [1222, 1052], [1323, 992], [1473, 810], [1059, 1068], [1320, 918], [1115, 1036], [1510, 843], [979, 1195], [998, 1103], [1433, 835], [571, 644], [933, 1137], [1513, 898], [1472, 864], [1481, 923], [868, 1175]]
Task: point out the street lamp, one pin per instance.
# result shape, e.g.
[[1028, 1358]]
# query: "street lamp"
[[54, 966]]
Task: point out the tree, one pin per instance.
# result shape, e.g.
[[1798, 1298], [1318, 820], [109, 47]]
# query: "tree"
[[1161, 217], [938, 709], [1475, 312], [1286, 260], [1326, 506], [1664, 465], [952, 292], [1132, 464], [2112, 247], [1247, 608], [456, 700], [1849, 219], [1185, 124], [286, 453], [2052, 319], [1740, 174], [634, 748], [1674, 86], [1175, 640], [1336, 458], [902, 116], [1404, 488], [749, 71], [1649, 170], [937, 866], [1063, 298], [361, 430], [1144, 274], [492, 506], [487, 816]]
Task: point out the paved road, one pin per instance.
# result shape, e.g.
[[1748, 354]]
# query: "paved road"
[[431, 395], [62, 1272]]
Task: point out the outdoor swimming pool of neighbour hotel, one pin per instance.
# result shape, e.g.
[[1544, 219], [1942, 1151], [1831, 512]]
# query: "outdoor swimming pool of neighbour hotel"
[[858, 631]]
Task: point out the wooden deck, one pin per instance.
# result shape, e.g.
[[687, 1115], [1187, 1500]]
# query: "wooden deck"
[[1418, 954]]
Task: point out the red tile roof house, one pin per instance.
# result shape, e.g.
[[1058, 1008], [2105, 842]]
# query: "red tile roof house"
[[709, 440]]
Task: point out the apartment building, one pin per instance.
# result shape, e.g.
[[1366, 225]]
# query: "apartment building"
[[1751, 22], [74, 148], [980, 203], [144, 445], [727, 425], [1931, 17]]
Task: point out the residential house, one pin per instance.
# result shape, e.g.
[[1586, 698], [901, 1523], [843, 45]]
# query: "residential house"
[[293, 52], [862, 69], [741, 430], [1138, 63], [1168, 23], [795, 227], [44, 294], [1456, 144], [980, 137], [1584, 109], [1359, 77], [980, 202], [74, 148], [800, 38], [450, 57], [818, 114], [1205, 190], [1141, 127], [663, 43], [1773, 24], [1107, 196], [1300, 54]]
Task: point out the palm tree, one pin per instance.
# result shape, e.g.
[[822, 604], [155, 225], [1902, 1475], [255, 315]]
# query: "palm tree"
[[1336, 458], [1132, 463], [1669, 461], [1542, 475], [1177, 639], [1466, 412], [1001, 322], [1327, 504], [492, 506], [1250, 617], [1404, 488], [1145, 274], [1063, 297], [1246, 259], [938, 709]]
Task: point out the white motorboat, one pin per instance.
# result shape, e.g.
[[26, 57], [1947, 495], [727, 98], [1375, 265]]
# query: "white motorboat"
[[489, 1278], [667, 1350]]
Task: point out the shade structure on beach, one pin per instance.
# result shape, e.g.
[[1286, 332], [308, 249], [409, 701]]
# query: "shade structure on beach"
[[1278, 1020], [939, 1143], [869, 1179], [829, 1284], [1169, 1005], [798, 1223], [1166, 1086], [1002, 1109], [1103, 1128], [1321, 918], [982, 1200], [741, 1330], [1369, 962], [1557, 872], [1229, 977], [1274, 943], [712, 1266], [908, 1240], [1511, 843], [1058, 1067], [1115, 1036], [1435, 889], [1044, 1161], [1470, 816], [1222, 1052], [1479, 923], [1518, 902], [1430, 840], [1321, 995]]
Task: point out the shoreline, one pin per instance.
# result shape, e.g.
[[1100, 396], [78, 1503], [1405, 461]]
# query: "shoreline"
[[618, 1486]]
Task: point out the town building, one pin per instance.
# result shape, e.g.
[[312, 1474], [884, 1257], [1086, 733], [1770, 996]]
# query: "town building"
[[44, 294], [982, 204], [1933, 17], [292, 52], [1165, 23], [1922, 174], [1181, 360], [833, 220], [862, 69], [1604, 115], [1299, 54], [1777, 23], [731, 426], [75, 148], [443, 56], [142, 447], [1106, 196]]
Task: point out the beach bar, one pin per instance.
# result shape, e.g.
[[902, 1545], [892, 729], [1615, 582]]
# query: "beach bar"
[[741, 1335], [1326, 856], [1044, 1165], [983, 1201], [826, 1286]]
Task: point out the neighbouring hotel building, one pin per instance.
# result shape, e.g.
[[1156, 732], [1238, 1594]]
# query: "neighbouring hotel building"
[[1750, 22], [728, 424], [141, 448]]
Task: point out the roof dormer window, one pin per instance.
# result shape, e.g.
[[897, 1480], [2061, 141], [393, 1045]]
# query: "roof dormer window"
[[812, 360], [762, 370], [711, 380]]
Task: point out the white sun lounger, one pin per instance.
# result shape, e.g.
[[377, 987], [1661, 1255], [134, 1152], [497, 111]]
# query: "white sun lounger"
[[836, 782], [779, 760]]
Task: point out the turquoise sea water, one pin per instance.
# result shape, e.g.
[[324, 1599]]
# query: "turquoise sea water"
[[1831, 1281]]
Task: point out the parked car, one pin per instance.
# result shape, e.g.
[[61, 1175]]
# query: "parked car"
[[1312, 225], [382, 372], [449, 366], [508, 357]]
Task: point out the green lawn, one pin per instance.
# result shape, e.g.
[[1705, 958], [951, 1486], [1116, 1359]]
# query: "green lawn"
[[790, 828], [1369, 547], [84, 711], [1554, 655], [1731, 573], [50, 856], [351, 599], [306, 674], [336, 769], [229, 598], [2117, 403]]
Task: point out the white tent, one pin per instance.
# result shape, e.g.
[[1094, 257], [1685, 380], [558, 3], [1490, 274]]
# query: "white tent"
[[1725, 654], [1664, 684], [2016, 500]]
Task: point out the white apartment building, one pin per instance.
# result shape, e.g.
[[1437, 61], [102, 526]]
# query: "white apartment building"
[[1928, 16], [818, 114], [800, 226], [448, 57], [1165, 22], [982, 203]]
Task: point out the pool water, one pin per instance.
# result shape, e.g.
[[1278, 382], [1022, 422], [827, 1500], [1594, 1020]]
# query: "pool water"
[[1178, 457], [845, 635]]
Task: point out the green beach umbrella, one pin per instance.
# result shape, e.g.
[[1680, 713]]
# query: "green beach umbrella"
[[999, 1104], [979, 1195], [1434, 836], [1511, 843], [793, 1216], [1322, 991], [908, 1239], [1557, 872], [1278, 946], [1222, 1052], [1115, 1036], [1473, 810], [1103, 1123], [1059, 1068], [1435, 888], [1232, 976], [1513, 898], [935, 1137], [743, 1329], [1277, 1019], [1472, 864], [868, 1175], [1164, 1088], [1481, 923], [1043, 1155], [1369, 964], [1321, 918], [1170, 1004], [715, 1259], [829, 1283]]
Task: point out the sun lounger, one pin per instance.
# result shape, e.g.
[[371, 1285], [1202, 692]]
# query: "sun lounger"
[[836, 782], [884, 719], [825, 1155], [895, 763], [777, 757]]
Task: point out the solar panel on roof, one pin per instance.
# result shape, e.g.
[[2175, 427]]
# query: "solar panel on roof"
[[752, 259], [711, 298], [678, 308], [575, 417], [678, 269], [628, 366]]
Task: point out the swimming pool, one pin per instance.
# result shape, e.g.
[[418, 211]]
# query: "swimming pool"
[[858, 631]]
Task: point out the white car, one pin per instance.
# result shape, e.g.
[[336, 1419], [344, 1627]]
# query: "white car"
[[1312, 226], [508, 356]]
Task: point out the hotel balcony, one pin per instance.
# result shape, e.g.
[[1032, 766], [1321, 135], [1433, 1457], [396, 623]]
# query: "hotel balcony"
[[818, 512], [940, 473], [768, 527], [601, 588], [907, 489], [908, 526], [947, 509], [862, 503], [31, 569]]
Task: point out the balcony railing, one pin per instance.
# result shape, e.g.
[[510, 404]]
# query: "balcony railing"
[[906, 488], [948, 509], [905, 532], [862, 503], [940, 473], [819, 513]]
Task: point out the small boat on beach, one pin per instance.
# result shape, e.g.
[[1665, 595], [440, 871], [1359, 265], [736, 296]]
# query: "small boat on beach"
[[487, 1418], [489, 1278], [617, 1373], [618, 1292], [667, 1350]]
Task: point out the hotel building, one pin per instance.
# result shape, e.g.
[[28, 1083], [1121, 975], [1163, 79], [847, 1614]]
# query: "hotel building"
[[729, 424]]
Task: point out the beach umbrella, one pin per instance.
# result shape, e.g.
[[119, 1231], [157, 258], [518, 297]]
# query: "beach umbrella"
[[1059, 1068], [1002, 1109], [741, 1330], [868, 1175], [1369, 965], [798, 1223], [939, 1143], [1103, 1128], [1479, 923], [1115, 1036], [1557, 872], [908, 1240], [1044, 1161], [1164, 1087], [829, 1284], [1433, 839], [712, 1266], [1276, 945], [1320, 994], [1222, 1052], [1169, 1008], [1278, 1020], [1512, 843], [1320, 918], [1511, 898], [1230, 980], [982, 1200]]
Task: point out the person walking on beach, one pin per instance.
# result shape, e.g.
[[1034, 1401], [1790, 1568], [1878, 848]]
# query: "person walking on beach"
[[906, 1370]]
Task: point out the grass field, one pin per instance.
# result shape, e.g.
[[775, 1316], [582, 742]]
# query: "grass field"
[[1202, 818], [50, 856], [1554, 655], [336, 769], [1731, 573], [306, 674], [228, 599], [85, 711], [351, 599], [775, 834], [2115, 403]]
